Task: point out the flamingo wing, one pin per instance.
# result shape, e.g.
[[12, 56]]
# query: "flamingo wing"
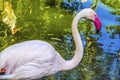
[[31, 59]]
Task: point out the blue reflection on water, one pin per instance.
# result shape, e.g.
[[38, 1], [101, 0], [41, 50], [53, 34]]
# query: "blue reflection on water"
[[107, 19], [110, 43]]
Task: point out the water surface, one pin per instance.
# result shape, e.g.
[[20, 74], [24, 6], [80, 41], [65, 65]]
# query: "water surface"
[[50, 21]]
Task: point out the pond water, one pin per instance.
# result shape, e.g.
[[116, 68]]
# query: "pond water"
[[109, 42], [49, 20]]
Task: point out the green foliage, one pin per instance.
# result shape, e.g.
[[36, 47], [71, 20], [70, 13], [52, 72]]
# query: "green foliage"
[[5, 36], [114, 4], [45, 20]]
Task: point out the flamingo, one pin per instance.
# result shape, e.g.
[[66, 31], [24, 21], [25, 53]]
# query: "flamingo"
[[35, 59]]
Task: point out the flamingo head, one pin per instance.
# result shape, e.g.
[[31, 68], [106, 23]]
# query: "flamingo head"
[[91, 14]]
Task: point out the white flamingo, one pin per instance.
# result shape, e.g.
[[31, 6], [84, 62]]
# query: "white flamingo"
[[35, 59]]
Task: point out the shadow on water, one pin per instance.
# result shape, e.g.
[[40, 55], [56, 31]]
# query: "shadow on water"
[[46, 20]]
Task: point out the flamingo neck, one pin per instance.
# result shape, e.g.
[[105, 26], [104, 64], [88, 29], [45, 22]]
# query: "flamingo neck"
[[78, 44]]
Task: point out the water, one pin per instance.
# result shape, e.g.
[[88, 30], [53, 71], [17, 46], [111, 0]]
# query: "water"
[[108, 41], [46, 20]]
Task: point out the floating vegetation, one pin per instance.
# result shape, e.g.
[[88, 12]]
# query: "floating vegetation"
[[114, 5], [50, 20], [113, 29]]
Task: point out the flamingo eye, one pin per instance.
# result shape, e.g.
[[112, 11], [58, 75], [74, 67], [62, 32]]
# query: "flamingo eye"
[[94, 14], [90, 17]]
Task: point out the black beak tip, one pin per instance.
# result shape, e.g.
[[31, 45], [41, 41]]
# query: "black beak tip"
[[97, 31], [2, 73]]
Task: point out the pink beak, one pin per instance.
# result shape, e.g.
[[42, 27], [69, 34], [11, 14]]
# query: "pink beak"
[[97, 24]]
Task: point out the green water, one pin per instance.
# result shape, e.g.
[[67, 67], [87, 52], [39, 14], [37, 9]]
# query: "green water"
[[46, 20]]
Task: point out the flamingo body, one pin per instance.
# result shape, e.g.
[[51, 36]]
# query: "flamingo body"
[[35, 59], [32, 59]]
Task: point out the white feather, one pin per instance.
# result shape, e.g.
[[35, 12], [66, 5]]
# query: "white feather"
[[35, 59]]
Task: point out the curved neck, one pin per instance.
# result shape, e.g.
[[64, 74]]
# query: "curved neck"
[[78, 44]]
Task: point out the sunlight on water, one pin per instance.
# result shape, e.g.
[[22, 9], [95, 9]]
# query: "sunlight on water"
[[50, 20]]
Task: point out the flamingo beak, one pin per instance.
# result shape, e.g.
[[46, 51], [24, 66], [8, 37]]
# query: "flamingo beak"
[[97, 24], [2, 71]]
